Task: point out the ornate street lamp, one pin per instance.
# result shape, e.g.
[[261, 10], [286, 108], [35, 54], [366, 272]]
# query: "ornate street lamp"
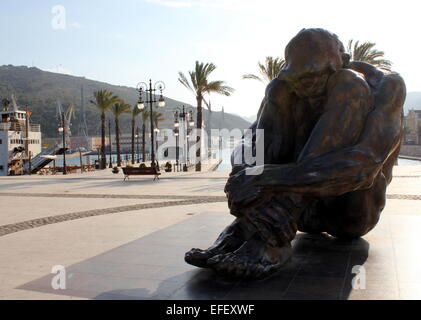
[[186, 118], [157, 131], [137, 143], [111, 145], [176, 134], [143, 87], [62, 129]]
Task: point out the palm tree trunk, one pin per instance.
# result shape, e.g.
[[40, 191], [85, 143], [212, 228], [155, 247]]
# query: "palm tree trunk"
[[199, 132], [143, 143], [117, 138], [133, 122], [209, 130], [103, 155]]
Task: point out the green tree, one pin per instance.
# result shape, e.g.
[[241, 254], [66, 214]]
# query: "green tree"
[[104, 99], [117, 110], [268, 71], [199, 84], [365, 52]]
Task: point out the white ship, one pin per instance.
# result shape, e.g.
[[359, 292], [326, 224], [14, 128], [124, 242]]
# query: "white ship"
[[20, 141]]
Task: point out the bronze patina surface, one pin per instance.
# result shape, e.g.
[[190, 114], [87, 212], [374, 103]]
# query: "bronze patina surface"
[[332, 133]]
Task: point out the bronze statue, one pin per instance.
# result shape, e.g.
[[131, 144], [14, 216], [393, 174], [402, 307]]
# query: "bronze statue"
[[332, 133]]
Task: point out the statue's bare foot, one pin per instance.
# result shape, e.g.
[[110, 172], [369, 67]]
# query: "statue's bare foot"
[[254, 259], [229, 240]]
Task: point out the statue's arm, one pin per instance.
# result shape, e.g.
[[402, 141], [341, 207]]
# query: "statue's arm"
[[275, 118], [349, 165]]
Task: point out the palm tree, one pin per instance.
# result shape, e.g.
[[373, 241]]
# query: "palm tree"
[[117, 110], [365, 52], [209, 121], [135, 112], [199, 84], [104, 99], [268, 71], [156, 118]]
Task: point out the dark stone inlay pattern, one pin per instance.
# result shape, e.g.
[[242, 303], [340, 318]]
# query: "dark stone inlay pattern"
[[34, 223], [135, 196], [404, 196], [183, 200], [107, 196], [406, 176]]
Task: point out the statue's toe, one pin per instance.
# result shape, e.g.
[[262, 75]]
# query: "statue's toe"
[[196, 257], [215, 260], [229, 264]]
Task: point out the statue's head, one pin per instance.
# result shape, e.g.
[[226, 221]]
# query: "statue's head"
[[311, 57]]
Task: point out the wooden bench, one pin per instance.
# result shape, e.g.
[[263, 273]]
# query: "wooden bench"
[[140, 172]]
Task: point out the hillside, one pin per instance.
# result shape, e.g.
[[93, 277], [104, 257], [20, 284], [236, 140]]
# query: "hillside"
[[40, 90]]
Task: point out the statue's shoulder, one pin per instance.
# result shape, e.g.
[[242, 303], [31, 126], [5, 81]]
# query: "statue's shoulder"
[[387, 87], [347, 80], [277, 90]]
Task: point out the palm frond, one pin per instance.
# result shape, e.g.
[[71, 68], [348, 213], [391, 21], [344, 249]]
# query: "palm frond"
[[199, 81], [366, 52], [104, 99], [253, 77], [269, 70], [182, 78], [136, 111], [119, 108], [219, 87]]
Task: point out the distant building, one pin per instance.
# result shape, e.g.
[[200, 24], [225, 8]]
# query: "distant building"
[[89, 143], [413, 127], [18, 142]]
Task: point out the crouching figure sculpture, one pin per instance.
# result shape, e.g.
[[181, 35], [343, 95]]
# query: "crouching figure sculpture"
[[332, 132]]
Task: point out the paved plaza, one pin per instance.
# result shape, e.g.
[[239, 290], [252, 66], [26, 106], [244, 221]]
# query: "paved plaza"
[[126, 240]]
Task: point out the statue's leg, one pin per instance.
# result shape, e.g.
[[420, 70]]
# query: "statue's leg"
[[310, 220], [353, 214], [229, 240], [272, 220]]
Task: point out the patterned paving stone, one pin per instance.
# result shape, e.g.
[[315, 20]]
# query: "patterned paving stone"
[[35, 223]]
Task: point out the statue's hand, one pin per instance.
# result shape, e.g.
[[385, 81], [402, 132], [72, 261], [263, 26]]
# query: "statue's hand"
[[241, 188]]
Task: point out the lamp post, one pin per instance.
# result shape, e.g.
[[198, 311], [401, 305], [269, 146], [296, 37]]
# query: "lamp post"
[[137, 145], [156, 130], [143, 87], [111, 145], [176, 133], [63, 130], [186, 118], [143, 143]]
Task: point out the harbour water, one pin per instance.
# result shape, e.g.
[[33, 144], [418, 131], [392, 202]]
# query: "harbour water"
[[89, 159], [224, 166]]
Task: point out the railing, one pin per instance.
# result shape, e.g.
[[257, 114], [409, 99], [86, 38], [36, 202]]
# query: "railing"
[[15, 126]]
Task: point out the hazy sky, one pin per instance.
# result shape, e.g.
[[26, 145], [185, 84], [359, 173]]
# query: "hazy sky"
[[124, 42]]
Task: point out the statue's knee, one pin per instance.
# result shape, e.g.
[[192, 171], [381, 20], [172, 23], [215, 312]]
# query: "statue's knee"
[[353, 229]]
